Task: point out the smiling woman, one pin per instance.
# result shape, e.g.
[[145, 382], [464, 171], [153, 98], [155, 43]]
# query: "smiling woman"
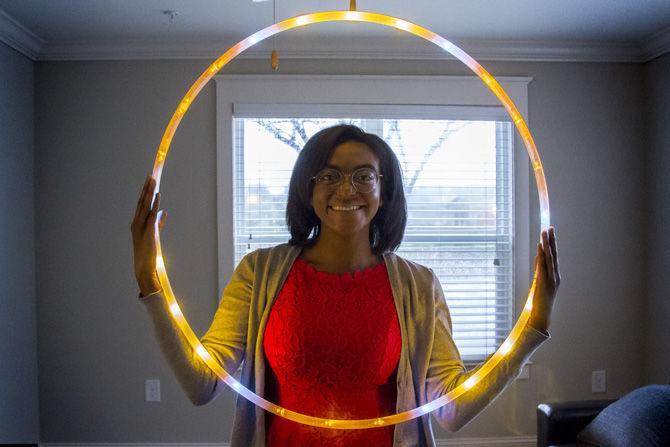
[[410, 321], [319, 204], [346, 209]]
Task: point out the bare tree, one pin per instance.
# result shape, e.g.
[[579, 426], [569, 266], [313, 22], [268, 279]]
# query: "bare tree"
[[292, 132], [289, 131], [449, 128]]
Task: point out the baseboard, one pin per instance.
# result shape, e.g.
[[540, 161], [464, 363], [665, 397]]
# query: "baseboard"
[[508, 441]]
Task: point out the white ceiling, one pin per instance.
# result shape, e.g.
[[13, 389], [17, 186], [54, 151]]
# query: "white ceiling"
[[590, 30]]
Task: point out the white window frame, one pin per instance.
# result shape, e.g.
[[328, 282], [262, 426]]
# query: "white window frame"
[[428, 95]]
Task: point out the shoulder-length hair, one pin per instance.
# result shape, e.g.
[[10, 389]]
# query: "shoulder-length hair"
[[387, 227]]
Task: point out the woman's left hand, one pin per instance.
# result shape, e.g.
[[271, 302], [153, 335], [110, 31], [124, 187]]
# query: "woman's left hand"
[[548, 280]]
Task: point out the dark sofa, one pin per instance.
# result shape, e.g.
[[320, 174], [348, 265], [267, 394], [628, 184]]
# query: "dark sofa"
[[641, 418]]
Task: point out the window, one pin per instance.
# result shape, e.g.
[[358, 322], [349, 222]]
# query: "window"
[[457, 177], [458, 164]]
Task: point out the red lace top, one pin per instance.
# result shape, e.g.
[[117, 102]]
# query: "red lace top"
[[332, 345]]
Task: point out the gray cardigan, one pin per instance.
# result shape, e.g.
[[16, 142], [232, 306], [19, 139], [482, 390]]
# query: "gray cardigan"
[[430, 364]]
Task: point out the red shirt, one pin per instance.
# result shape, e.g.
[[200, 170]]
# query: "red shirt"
[[332, 345]]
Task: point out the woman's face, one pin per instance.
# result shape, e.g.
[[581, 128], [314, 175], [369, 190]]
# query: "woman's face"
[[341, 208]]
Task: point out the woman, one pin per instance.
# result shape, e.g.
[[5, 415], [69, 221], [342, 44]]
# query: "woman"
[[334, 324]]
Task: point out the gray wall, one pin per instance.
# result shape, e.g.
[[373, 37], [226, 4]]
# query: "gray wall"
[[18, 334], [657, 107], [98, 124]]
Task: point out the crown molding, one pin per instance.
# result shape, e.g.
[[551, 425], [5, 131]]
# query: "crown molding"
[[544, 51], [364, 48], [18, 37]]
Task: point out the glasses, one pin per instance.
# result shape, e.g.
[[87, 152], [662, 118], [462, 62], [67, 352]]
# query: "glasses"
[[364, 180]]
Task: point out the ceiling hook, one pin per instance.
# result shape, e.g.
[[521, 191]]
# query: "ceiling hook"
[[172, 13]]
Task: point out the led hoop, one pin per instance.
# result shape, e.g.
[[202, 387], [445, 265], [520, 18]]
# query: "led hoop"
[[491, 83]]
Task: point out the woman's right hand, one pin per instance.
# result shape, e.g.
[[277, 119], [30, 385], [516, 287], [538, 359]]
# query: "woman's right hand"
[[144, 230]]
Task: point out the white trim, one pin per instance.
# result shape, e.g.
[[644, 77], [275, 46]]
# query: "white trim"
[[366, 48], [553, 51], [507, 441], [133, 444], [369, 111], [17, 36], [382, 90], [521, 80]]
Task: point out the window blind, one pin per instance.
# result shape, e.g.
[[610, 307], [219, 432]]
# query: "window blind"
[[458, 178]]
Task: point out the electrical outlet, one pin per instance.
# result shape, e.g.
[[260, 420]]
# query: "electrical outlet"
[[598, 381], [152, 390]]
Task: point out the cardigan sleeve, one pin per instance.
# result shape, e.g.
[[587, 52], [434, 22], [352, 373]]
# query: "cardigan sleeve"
[[446, 370], [225, 340]]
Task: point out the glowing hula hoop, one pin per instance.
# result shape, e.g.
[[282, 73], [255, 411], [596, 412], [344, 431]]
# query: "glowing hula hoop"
[[491, 83]]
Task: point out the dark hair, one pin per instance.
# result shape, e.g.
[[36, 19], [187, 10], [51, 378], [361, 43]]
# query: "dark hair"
[[387, 227]]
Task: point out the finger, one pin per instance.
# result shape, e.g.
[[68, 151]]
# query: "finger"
[[540, 267], [145, 208], [539, 258], [144, 188], [142, 200], [554, 245], [549, 259], [153, 213], [554, 248], [139, 200], [552, 242]]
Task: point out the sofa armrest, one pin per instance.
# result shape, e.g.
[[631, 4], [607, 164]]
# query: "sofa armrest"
[[559, 422]]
